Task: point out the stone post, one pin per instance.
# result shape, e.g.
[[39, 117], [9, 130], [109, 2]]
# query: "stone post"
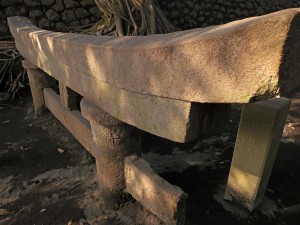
[[38, 80], [67, 97], [115, 140], [255, 151]]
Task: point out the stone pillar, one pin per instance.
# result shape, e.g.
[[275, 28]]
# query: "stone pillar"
[[255, 151], [115, 140], [67, 97], [38, 80]]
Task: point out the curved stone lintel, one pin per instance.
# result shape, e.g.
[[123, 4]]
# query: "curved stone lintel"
[[239, 62]]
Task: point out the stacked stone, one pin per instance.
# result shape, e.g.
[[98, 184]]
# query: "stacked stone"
[[50, 13], [184, 14], [187, 14]]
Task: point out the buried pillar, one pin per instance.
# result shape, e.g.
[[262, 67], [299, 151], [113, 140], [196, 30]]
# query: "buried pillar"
[[255, 151], [115, 141], [38, 80], [166, 201]]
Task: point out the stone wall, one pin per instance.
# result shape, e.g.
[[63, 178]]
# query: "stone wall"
[[184, 14], [49, 13], [202, 13]]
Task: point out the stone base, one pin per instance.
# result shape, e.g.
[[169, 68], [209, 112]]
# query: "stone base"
[[166, 201]]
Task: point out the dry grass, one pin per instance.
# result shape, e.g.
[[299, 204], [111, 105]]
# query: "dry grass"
[[131, 17], [12, 75]]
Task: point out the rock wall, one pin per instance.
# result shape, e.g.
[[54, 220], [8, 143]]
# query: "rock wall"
[[184, 14], [49, 13], [202, 13]]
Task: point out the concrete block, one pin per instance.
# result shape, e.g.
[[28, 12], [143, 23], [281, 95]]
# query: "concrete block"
[[166, 201], [255, 151]]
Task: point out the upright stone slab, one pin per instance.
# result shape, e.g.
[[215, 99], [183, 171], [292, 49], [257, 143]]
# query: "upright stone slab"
[[115, 140], [38, 80], [255, 151]]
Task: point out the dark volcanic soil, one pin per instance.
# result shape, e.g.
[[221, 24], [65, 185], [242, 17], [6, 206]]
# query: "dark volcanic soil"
[[46, 177]]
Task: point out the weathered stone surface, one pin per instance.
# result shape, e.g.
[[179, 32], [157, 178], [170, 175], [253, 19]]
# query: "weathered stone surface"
[[35, 13], [94, 11], [74, 23], [43, 23], [58, 6], [5, 3], [163, 199], [188, 18], [24, 11], [52, 15], [115, 141], [60, 25], [87, 2], [81, 12], [255, 151], [250, 59], [28, 65], [85, 21], [71, 3], [68, 16], [32, 3], [48, 2], [172, 119], [98, 115], [67, 97], [94, 19], [38, 81], [11, 11]]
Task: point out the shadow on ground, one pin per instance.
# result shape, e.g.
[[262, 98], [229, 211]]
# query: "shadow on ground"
[[48, 178]]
